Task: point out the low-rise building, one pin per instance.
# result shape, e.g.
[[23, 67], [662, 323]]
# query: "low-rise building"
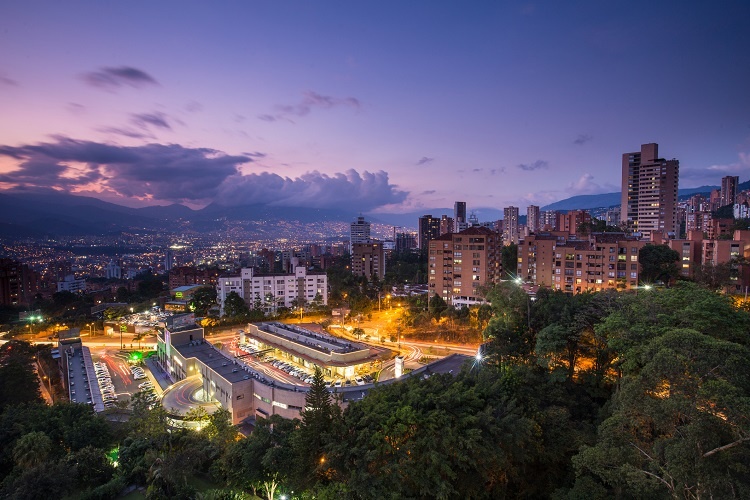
[[269, 291]]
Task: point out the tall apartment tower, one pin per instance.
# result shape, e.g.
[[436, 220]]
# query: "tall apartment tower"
[[368, 259], [461, 264], [447, 225], [459, 216], [429, 229], [729, 189], [510, 225], [649, 192], [360, 231], [533, 221], [168, 260]]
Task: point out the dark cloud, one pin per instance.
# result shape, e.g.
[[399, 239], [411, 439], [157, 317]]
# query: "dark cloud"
[[170, 172], [156, 119], [431, 191], [112, 78], [310, 100], [477, 169], [582, 139], [313, 189], [537, 165], [4, 80], [255, 154], [127, 132], [193, 107], [425, 160], [162, 172], [75, 108]]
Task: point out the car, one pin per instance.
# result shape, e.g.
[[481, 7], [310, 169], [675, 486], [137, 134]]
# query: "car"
[[359, 381], [139, 377], [348, 383], [337, 383]]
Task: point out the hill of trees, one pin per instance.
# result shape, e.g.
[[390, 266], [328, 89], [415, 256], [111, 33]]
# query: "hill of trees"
[[600, 395]]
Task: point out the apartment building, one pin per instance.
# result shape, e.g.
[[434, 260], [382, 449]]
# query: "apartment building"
[[270, 291], [460, 264]]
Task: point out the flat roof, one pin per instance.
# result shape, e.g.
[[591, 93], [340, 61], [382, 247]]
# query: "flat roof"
[[213, 358], [314, 340]]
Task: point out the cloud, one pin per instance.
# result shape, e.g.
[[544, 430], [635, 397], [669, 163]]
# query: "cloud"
[[425, 160], [173, 173], [586, 185], [713, 173], [4, 80], [530, 167], [193, 107], [127, 132], [582, 139], [310, 100], [162, 172], [431, 191], [363, 191], [144, 120], [75, 108], [255, 154], [112, 78]]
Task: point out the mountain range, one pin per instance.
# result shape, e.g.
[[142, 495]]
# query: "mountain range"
[[37, 214]]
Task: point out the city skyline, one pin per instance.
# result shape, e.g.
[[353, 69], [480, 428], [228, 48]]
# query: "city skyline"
[[356, 105]]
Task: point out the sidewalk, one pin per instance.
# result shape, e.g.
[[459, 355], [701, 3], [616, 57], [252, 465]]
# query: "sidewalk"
[[157, 375]]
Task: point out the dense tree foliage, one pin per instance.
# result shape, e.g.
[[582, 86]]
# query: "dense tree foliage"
[[658, 264], [597, 395]]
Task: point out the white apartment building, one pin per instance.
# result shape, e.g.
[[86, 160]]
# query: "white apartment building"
[[271, 291]]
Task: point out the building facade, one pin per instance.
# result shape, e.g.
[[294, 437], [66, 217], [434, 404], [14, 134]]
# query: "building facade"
[[649, 192], [533, 219], [368, 259], [270, 291], [461, 264], [429, 229], [729, 189], [601, 261], [359, 231], [511, 233]]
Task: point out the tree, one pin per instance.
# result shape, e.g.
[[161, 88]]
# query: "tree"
[[678, 425], [715, 276], [437, 306], [203, 299], [510, 260], [234, 306], [32, 449], [658, 264], [310, 438]]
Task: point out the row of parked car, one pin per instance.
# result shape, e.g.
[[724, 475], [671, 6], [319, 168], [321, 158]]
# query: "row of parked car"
[[358, 380], [147, 388], [106, 387], [292, 370], [138, 373]]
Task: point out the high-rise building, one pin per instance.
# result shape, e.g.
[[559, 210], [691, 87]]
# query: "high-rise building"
[[729, 189], [446, 225], [461, 264], [368, 259], [168, 260], [649, 192], [429, 229], [459, 216], [360, 231], [533, 220], [549, 220], [18, 283], [510, 225]]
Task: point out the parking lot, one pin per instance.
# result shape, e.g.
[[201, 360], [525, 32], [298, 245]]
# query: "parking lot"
[[119, 380]]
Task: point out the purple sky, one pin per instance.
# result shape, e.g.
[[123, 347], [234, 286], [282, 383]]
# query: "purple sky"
[[385, 106]]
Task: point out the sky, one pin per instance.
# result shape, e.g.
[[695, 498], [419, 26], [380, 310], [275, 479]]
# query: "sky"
[[387, 106]]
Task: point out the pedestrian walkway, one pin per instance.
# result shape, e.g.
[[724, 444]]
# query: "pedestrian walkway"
[[157, 375]]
